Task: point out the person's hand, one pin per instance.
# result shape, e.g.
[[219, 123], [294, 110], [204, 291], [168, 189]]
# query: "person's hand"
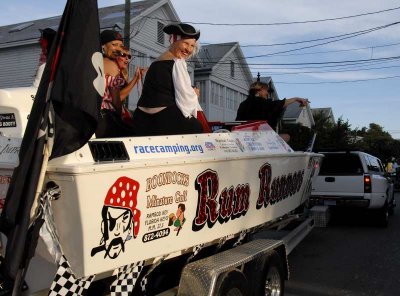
[[142, 71], [196, 90], [303, 102], [139, 72]]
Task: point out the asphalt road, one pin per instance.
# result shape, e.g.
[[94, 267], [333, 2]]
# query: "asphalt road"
[[350, 257]]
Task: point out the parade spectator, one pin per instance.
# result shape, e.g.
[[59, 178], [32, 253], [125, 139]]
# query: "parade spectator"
[[395, 165], [389, 167]]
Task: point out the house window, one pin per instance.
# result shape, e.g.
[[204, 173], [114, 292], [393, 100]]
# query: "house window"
[[221, 95], [202, 86], [232, 69], [214, 95], [217, 94], [230, 98], [160, 33], [238, 99]]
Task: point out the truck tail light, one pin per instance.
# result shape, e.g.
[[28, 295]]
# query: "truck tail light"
[[367, 184]]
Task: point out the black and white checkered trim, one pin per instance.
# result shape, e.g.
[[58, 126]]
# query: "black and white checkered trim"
[[241, 238], [65, 283], [143, 282], [126, 279]]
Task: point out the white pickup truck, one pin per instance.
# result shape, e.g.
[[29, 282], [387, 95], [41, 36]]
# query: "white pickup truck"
[[354, 179]]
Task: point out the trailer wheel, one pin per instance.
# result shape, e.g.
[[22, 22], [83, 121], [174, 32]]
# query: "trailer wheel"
[[232, 283], [268, 275]]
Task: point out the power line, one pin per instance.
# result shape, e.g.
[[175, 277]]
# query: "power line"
[[332, 71], [336, 82], [287, 23], [352, 35], [361, 64], [356, 33], [312, 63], [338, 50]]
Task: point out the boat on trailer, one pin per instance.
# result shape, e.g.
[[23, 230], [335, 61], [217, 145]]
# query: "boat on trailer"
[[125, 200]]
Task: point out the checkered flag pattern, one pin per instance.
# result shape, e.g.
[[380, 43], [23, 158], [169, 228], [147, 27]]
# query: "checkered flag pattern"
[[196, 250], [65, 283], [143, 282], [221, 242], [126, 279], [241, 238]]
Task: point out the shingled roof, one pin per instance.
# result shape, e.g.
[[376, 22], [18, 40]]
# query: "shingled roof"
[[29, 32], [212, 54]]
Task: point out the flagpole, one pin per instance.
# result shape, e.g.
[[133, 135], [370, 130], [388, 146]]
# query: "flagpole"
[[76, 120], [127, 33], [46, 155], [35, 212]]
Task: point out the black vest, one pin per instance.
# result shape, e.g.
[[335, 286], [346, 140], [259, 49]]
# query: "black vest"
[[158, 88]]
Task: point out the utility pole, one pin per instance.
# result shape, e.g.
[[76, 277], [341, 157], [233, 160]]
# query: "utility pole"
[[127, 27], [127, 33]]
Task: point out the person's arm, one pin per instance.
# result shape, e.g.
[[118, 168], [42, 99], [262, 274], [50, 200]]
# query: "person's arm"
[[131, 84], [186, 97], [39, 74], [302, 101]]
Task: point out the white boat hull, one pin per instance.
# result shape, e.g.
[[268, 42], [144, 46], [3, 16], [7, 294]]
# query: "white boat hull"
[[227, 182]]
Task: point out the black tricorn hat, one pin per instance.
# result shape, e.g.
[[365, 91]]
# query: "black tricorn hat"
[[109, 35], [184, 30], [48, 34]]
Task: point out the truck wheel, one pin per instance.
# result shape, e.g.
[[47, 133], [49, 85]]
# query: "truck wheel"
[[383, 216], [392, 205], [232, 283]]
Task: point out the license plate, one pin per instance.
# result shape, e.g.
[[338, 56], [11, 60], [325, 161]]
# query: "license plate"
[[330, 202]]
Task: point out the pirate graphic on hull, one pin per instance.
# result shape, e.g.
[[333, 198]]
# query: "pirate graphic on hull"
[[120, 217]]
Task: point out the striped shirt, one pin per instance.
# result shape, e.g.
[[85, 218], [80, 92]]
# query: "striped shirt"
[[111, 82]]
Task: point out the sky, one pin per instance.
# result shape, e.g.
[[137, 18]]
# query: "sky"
[[340, 54]]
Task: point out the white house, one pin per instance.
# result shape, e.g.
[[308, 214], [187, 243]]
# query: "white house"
[[293, 113], [219, 70], [223, 76], [326, 112], [296, 114], [20, 49]]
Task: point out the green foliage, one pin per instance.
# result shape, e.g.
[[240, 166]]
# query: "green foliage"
[[300, 136], [339, 135]]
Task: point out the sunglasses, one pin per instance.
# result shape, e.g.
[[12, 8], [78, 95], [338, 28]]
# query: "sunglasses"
[[124, 55]]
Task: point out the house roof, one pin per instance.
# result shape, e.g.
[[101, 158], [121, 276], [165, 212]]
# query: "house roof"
[[292, 111], [212, 54], [268, 80], [327, 112], [28, 32]]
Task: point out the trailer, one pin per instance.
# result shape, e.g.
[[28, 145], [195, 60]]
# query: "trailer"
[[205, 214]]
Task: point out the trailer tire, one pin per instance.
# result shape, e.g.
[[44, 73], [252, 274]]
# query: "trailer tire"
[[232, 283], [271, 281]]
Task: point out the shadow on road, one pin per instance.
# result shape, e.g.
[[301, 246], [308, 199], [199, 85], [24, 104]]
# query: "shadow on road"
[[352, 256], [352, 217]]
